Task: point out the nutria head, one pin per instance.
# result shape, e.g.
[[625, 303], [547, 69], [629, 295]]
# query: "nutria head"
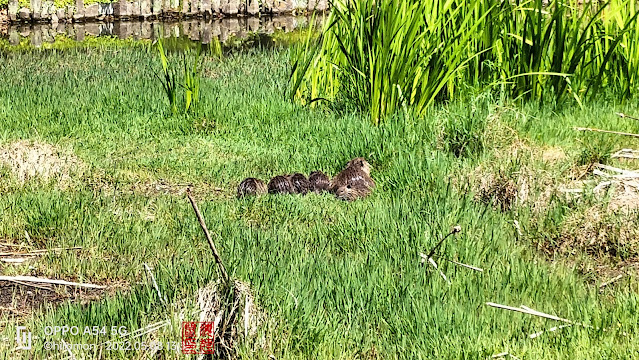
[[299, 182], [319, 182], [251, 186], [353, 190], [360, 163], [280, 185]]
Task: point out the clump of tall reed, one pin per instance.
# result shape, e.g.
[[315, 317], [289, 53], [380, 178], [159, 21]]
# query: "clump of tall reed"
[[173, 80], [382, 56]]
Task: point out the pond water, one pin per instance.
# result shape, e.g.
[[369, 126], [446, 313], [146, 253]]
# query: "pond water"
[[204, 31]]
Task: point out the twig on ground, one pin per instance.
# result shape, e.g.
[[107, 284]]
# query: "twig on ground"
[[14, 260], [606, 131], [434, 264], [216, 255], [32, 285], [604, 284], [628, 173], [49, 281], [626, 153], [39, 252], [155, 284], [529, 311], [424, 257], [622, 115], [455, 230], [554, 328]]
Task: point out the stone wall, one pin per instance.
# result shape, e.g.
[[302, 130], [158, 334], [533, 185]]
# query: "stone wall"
[[46, 11], [201, 30]]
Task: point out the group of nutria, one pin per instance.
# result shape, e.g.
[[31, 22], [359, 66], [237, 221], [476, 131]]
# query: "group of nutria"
[[354, 182]]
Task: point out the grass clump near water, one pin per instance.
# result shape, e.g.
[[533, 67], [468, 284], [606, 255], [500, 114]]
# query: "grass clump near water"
[[334, 279], [382, 57]]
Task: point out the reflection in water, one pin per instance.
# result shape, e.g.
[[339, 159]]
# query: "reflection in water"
[[198, 30]]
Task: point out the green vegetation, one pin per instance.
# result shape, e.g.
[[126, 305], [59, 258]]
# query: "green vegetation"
[[335, 279], [383, 56]]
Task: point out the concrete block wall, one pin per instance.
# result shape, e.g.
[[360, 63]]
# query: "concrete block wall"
[[46, 11]]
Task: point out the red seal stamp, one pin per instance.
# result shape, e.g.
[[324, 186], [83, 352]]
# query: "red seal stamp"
[[198, 337]]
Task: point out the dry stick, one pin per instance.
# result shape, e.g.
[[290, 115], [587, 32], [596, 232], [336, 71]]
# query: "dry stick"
[[32, 285], [529, 311], [611, 281], [622, 115], [216, 255], [39, 252], [626, 153], [454, 262], [455, 230], [618, 170], [554, 328], [49, 281], [606, 131], [155, 284], [432, 262]]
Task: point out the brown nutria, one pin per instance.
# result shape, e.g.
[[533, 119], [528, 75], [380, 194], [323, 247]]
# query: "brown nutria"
[[299, 182], [356, 173], [280, 185], [319, 182], [356, 188], [251, 186]]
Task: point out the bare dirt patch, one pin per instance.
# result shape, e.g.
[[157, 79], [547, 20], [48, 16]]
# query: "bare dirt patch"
[[22, 300], [28, 160]]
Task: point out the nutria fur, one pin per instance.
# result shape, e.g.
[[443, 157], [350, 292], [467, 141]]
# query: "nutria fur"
[[280, 185], [251, 186], [353, 190], [299, 182], [355, 170], [319, 182]]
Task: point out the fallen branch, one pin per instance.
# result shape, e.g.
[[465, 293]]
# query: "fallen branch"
[[14, 260], [155, 284], [434, 264], [554, 328], [607, 131], [622, 115], [611, 281], [424, 257], [216, 255], [32, 285], [626, 153], [49, 281], [455, 230], [39, 252], [628, 173], [529, 311]]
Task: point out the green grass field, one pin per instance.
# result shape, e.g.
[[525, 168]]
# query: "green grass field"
[[336, 280]]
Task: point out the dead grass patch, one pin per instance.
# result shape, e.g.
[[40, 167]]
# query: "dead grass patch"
[[161, 188], [27, 160], [22, 300]]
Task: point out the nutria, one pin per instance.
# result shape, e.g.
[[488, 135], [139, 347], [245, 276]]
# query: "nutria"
[[299, 182], [355, 189], [354, 181], [355, 169], [319, 182], [251, 186], [280, 185]]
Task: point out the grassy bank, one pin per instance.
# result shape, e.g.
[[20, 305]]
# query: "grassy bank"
[[336, 279]]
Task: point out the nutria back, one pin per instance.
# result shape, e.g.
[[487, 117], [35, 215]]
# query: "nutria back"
[[251, 186], [280, 185], [357, 170], [318, 182], [354, 182], [299, 182]]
